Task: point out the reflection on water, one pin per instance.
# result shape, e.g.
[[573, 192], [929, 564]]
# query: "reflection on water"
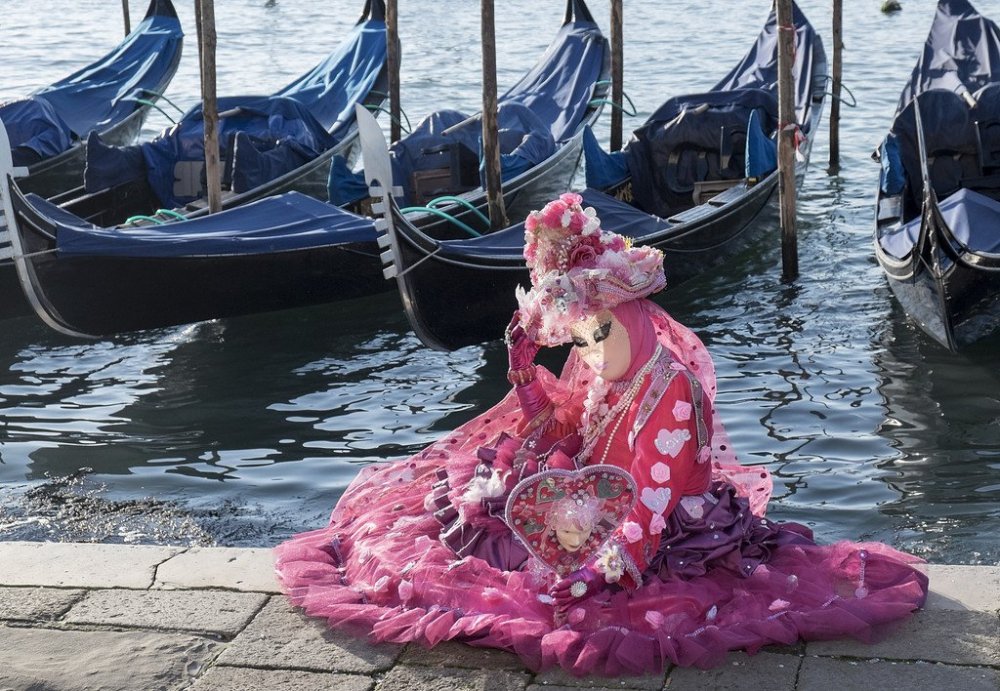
[[943, 420], [242, 431]]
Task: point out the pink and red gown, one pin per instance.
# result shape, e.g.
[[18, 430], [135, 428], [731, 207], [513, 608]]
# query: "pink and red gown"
[[406, 558]]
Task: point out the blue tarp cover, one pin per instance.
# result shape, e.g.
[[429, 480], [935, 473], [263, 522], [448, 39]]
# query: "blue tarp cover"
[[694, 138], [959, 65], [972, 218], [961, 53], [536, 115], [284, 131], [290, 221], [97, 97], [707, 136], [759, 67]]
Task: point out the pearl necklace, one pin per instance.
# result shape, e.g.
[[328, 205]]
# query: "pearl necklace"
[[594, 430]]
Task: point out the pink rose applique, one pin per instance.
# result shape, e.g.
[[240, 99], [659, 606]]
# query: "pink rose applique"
[[660, 472], [682, 411], [657, 524], [654, 618], [632, 531]]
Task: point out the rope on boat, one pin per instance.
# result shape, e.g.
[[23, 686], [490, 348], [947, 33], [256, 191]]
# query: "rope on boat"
[[854, 101], [461, 202], [159, 95], [171, 213], [609, 102], [147, 102], [417, 263], [442, 214], [9, 261], [379, 109], [131, 220]]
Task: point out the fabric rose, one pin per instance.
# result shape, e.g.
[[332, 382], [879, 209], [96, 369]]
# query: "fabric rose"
[[656, 524], [583, 256], [632, 531]]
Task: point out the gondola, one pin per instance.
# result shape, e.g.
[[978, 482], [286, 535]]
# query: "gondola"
[[541, 121], [938, 201], [111, 96], [695, 180], [83, 280], [270, 144]]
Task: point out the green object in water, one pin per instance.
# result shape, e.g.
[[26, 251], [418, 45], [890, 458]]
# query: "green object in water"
[[891, 6]]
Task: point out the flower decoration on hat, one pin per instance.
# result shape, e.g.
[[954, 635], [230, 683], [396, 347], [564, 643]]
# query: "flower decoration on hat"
[[577, 269]]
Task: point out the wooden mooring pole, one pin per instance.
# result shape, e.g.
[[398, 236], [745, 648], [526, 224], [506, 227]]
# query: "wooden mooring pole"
[[205, 23], [787, 130], [491, 148], [392, 57], [838, 47], [617, 73], [128, 21]]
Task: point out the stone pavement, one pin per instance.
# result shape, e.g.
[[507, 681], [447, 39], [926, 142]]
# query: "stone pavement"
[[84, 616]]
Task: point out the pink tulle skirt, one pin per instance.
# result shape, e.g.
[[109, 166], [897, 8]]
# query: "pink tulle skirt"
[[380, 570]]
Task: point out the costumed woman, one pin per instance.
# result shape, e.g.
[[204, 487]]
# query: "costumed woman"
[[597, 521]]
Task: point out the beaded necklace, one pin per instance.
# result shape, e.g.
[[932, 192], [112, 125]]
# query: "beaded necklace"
[[595, 428]]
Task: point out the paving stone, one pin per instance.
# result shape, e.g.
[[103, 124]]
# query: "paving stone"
[[965, 638], [557, 677], [219, 567], [78, 565], [412, 678], [281, 636], [42, 659], [210, 611], [452, 654], [964, 587], [824, 674], [764, 670], [36, 604], [243, 679]]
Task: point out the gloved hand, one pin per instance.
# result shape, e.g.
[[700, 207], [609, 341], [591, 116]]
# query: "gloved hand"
[[576, 586], [521, 350]]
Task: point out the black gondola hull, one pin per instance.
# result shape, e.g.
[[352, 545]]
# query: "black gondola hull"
[[447, 321], [104, 295]]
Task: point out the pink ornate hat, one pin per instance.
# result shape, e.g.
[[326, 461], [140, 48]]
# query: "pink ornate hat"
[[578, 270], [589, 503]]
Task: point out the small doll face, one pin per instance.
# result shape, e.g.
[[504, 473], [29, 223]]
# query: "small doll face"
[[571, 538], [603, 344]]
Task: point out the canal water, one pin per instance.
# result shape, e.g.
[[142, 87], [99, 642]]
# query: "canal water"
[[243, 431]]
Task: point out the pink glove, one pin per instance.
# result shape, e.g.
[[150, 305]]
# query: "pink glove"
[[576, 586], [521, 350]]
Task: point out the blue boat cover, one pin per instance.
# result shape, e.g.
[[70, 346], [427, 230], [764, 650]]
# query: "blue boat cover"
[[282, 131], [972, 218], [725, 133], [759, 67], [280, 223], [692, 138], [961, 53], [955, 85], [604, 169], [99, 96], [761, 150], [535, 116]]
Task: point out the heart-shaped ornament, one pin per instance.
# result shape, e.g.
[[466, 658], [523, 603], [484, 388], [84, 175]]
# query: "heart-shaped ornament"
[[563, 517]]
